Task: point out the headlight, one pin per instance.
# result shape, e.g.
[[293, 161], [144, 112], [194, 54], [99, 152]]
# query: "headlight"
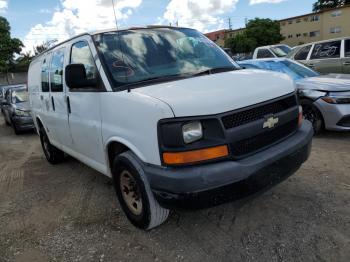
[[21, 113], [192, 132], [336, 99]]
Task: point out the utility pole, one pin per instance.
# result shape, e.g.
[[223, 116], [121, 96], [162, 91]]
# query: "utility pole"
[[229, 23], [246, 21]]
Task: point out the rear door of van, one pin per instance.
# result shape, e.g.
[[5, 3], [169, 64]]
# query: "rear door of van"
[[325, 57], [346, 57], [84, 107]]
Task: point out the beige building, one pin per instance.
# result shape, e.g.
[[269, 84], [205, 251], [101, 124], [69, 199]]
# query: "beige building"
[[327, 24]]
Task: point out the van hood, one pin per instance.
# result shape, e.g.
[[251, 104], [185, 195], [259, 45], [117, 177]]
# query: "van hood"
[[218, 93], [331, 82]]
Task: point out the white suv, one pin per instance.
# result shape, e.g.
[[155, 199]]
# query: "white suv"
[[168, 115]]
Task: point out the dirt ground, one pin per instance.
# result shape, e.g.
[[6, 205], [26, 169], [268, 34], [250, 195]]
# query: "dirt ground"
[[69, 212]]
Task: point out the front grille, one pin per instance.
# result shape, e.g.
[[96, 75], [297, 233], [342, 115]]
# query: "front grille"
[[256, 113], [252, 144]]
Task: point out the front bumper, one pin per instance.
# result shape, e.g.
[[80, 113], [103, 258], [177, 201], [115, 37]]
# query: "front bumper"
[[23, 122], [211, 184], [333, 114]]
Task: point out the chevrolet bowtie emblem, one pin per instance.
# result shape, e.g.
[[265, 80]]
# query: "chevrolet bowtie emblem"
[[271, 122]]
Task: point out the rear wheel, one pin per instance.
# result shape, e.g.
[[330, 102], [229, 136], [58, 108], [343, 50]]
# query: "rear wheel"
[[52, 153], [134, 193], [311, 113]]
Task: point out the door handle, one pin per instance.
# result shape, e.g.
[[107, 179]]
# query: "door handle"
[[68, 105], [42, 97], [346, 63], [311, 65], [53, 103]]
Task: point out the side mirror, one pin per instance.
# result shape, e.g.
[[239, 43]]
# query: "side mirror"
[[75, 75]]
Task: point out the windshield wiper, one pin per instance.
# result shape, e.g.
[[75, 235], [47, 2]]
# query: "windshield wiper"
[[215, 70], [156, 79]]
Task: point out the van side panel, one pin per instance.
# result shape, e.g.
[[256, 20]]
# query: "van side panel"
[[132, 119], [34, 86]]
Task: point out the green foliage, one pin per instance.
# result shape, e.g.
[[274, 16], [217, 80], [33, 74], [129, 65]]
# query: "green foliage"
[[326, 4], [240, 43], [44, 46], [8, 46], [259, 32]]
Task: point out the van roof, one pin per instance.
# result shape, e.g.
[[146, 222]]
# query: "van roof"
[[96, 32]]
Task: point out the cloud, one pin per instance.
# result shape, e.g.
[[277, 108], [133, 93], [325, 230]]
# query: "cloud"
[[3, 6], [255, 2], [73, 17], [201, 15]]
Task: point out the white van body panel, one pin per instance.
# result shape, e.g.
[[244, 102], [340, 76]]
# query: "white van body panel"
[[218, 93], [132, 119], [34, 88]]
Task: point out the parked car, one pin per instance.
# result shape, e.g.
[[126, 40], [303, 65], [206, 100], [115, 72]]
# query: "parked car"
[[271, 51], [16, 109], [325, 98], [330, 56], [167, 115], [3, 89]]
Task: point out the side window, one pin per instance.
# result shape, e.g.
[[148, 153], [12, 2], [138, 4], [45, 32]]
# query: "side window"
[[45, 76], [56, 71], [81, 54], [264, 53], [302, 53], [7, 96], [347, 48], [326, 50]]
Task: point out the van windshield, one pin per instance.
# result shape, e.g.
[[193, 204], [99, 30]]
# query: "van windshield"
[[142, 56]]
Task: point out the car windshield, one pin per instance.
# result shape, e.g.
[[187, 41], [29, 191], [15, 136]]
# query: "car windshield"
[[281, 51], [19, 96], [288, 67], [139, 55]]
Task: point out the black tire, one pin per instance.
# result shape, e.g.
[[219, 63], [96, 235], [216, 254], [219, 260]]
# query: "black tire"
[[144, 212], [15, 129], [311, 113], [53, 154]]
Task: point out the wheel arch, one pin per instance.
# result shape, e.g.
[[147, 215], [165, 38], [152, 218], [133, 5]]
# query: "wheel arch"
[[38, 123], [116, 146]]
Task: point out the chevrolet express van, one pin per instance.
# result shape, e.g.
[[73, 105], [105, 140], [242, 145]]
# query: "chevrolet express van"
[[168, 115]]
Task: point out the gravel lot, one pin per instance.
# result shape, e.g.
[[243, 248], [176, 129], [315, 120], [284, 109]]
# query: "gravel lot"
[[69, 212]]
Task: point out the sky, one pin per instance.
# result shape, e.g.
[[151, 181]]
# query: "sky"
[[36, 21]]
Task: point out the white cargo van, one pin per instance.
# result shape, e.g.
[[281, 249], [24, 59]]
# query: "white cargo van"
[[168, 115]]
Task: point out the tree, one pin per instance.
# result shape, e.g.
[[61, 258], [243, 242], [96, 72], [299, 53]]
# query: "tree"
[[44, 46], [258, 32], [264, 31], [326, 4], [8, 46], [22, 63], [240, 43]]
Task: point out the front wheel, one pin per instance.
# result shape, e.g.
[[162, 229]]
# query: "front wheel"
[[311, 113], [134, 193], [52, 153]]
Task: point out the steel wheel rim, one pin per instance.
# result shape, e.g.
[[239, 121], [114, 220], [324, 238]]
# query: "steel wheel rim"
[[131, 193]]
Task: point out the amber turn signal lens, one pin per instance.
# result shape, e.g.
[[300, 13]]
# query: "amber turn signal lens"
[[301, 117], [176, 158]]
